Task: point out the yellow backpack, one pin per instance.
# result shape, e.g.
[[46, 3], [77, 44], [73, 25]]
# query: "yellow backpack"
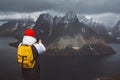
[[25, 56]]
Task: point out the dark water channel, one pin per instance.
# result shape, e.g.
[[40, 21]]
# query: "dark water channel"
[[60, 68]]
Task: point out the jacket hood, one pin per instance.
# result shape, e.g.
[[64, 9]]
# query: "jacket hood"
[[28, 40]]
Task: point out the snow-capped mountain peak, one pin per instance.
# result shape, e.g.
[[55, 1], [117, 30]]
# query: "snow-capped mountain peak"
[[46, 17], [57, 19], [70, 16], [2, 22], [118, 24], [89, 21]]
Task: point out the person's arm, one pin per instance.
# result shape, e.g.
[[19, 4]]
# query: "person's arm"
[[40, 47]]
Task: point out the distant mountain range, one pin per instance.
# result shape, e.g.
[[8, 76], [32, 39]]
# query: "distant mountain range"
[[98, 27], [14, 27], [67, 32]]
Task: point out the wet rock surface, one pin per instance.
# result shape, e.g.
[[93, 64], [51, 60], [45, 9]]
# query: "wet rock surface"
[[93, 49]]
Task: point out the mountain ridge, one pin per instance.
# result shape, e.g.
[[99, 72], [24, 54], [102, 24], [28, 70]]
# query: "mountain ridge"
[[67, 31]]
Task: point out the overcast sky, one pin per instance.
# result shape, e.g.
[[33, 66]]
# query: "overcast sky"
[[93, 8]]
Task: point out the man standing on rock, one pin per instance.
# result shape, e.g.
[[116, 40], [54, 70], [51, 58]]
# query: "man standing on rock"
[[32, 73]]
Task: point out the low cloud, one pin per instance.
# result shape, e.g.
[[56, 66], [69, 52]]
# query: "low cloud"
[[109, 19], [80, 6], [26, 15]]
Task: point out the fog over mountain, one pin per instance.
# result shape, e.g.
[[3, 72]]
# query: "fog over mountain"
[[108, 19]]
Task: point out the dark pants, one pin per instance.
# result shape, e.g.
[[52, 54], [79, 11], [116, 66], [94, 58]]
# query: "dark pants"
[[32, 74]]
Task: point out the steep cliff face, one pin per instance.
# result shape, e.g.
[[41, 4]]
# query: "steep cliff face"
[[50, 28], [116, 31], [66, 35]]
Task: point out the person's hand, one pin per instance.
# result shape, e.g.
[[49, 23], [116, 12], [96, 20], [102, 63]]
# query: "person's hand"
[[40, 41]]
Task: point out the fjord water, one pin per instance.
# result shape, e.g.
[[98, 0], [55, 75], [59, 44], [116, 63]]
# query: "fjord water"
[[59, 68]]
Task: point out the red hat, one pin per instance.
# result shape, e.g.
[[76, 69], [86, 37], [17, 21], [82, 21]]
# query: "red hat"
[[29, 32]]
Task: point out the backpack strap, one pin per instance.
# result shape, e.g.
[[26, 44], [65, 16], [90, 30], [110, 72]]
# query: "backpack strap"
[[22, 60], [35, 52]]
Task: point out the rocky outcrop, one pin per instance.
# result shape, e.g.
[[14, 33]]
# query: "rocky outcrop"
[[79, 46], [50, 28], [94, 49], [67, 36]]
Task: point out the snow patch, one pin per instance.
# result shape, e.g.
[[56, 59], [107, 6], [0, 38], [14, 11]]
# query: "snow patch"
[[110, 33], [2, 22], [118, 38]]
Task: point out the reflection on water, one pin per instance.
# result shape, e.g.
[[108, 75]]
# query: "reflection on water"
[[60, 68]]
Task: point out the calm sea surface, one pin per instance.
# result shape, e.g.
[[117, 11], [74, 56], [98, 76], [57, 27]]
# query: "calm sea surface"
[[60, 68]]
